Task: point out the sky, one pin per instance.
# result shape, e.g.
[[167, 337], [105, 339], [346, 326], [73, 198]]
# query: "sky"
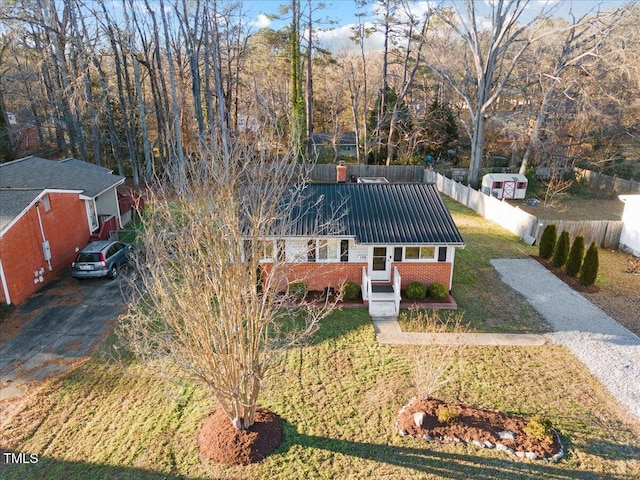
[[343, 14]]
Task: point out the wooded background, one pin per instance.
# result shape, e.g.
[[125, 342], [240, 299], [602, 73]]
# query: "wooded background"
[[145, 86]]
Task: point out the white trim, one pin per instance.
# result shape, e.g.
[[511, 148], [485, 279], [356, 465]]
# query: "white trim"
[[5, 288]]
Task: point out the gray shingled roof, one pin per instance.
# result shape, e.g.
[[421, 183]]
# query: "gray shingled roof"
[[21, 181], [39, 173], [13, 202], [376, 214]]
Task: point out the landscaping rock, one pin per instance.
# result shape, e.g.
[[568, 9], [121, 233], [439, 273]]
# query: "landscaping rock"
[[507, 435], [418, 418]]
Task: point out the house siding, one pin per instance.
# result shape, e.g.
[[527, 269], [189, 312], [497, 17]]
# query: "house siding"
[[65, 226]]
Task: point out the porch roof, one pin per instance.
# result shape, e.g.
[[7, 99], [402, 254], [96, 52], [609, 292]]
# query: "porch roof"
[[396, 213]]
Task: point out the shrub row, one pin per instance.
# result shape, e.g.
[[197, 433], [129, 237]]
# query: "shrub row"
[[351, 291], [418, 291], [570, 256]]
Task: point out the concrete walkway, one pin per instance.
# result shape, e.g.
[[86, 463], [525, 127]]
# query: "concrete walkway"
[[388, 331], [609, 351]]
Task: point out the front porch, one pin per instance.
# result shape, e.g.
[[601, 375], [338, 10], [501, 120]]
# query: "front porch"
[[382, 298]]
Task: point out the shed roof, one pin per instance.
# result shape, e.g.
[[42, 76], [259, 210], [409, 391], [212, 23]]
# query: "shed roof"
[[516, 177], [397, 213]]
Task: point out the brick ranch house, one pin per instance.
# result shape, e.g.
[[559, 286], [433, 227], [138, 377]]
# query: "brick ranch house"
[[48, 210], [378, 235]]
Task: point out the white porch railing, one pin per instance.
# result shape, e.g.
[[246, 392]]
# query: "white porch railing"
[[397, 282], [378, 299], [366, 285]]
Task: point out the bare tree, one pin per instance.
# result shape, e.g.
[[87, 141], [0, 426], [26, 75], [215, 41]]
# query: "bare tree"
[[490, 58], [415, 35], [206, 308], [582, 41]]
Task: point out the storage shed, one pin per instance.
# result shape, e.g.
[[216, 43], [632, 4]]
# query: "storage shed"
[[505, 185]]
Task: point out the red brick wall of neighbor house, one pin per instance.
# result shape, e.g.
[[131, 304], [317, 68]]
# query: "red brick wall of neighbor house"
[[65, 227], [426, 273]]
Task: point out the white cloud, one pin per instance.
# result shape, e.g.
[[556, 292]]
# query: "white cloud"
[[262, 22], [340, 38]]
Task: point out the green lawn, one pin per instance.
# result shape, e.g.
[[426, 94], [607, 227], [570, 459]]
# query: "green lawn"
[[488, 304], [338, 396]]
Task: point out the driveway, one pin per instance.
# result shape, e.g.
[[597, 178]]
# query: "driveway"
[[55, 327], [610, 351]]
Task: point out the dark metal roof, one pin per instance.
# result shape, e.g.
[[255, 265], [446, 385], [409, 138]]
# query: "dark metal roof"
[[410, 213]]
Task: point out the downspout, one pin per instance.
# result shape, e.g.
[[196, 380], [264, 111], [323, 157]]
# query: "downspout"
[[5, 288], [46, 250]]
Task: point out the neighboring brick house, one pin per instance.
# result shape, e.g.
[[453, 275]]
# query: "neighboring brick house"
[[48, 210], [381, 236]]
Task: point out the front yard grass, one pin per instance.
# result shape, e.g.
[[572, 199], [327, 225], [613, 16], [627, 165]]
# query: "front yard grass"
[[338, 396], [488, 304]]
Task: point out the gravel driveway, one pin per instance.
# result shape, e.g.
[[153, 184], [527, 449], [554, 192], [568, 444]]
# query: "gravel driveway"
[[610, 351]]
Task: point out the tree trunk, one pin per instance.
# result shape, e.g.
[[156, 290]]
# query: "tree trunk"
[[179, 168]]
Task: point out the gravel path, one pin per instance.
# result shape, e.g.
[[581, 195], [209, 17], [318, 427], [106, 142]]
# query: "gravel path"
[[610, 351]]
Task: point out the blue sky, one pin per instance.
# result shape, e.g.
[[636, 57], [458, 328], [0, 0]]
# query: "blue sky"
[[343, 13]]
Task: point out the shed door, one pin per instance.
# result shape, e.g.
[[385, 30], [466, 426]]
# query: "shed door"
[[509, 190]]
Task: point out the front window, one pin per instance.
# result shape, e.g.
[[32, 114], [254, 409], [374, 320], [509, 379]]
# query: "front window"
[[327, 250], [419, 253]]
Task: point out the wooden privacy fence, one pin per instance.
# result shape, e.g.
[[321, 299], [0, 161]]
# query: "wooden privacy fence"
[[322, 172], [611, 185], [604, 233]]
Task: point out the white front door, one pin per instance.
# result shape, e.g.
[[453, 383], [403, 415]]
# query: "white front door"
[[379, 264]]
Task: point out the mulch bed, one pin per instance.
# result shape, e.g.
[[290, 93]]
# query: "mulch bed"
[[223, 444], [478, 426], [562, 275]]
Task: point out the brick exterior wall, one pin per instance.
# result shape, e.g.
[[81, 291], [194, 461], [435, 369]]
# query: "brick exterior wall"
[[65, 227], [318, 276], [426, 273]]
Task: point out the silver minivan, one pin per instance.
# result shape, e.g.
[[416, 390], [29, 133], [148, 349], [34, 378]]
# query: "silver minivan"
[[100, 259]]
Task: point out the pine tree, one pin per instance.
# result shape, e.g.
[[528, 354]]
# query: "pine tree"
[[589, 270], [576, 253], [561, 252], [548, 241]]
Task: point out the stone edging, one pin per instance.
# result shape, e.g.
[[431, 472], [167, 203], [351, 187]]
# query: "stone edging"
[[498, 446]]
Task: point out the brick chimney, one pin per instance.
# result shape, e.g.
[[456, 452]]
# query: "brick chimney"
[[341, 172]]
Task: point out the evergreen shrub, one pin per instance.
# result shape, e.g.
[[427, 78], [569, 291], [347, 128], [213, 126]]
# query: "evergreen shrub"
[[416, 291], [437, 291], [548, 241], [590, 264], [574, 262], [350, 291], [561, 251]]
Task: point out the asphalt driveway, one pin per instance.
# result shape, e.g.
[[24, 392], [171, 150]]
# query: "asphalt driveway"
[[55, 327]]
